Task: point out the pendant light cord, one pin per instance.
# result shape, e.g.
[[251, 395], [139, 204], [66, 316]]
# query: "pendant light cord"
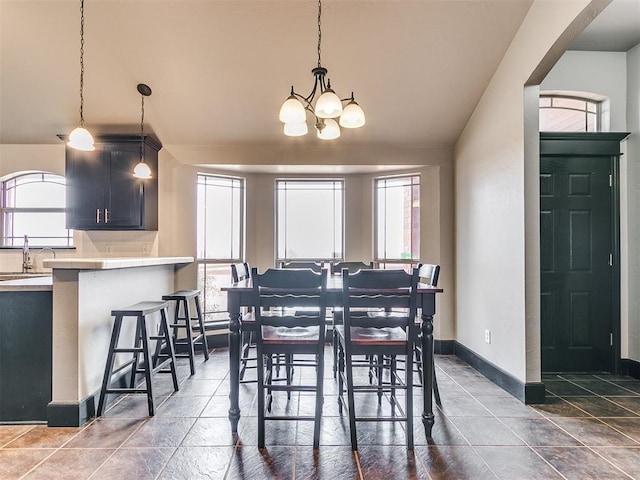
[[81, 62], [142, 131], [319, 30]]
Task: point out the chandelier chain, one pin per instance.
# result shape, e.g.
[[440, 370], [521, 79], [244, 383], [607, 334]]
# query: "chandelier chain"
[[319, 30], [81, 62]]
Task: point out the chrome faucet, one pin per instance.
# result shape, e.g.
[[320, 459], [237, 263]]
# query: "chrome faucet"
[[26, 256]]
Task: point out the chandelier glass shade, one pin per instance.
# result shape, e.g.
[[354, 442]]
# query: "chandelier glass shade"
[[80, 138], [328, 105], [142, 170]]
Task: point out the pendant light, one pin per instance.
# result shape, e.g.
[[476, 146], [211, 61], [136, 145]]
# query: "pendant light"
[[80, 138], [328, 107], [142, 170]]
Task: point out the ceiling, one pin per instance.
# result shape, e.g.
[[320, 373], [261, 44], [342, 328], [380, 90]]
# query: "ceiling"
[[616, 29], [220, 69]]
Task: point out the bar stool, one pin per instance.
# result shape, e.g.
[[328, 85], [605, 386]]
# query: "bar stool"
[[182, 297], [142, 345]]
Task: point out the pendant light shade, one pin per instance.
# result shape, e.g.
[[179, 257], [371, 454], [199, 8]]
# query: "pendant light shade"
[[328, 105], [352, 115], [295, 129], [330, 131], [292, 111], [142, 170], [80, 138]]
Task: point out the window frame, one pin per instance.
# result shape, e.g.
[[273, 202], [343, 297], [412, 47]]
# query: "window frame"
[[587, 101], [16, 241], [384, 262], [342, 183], [217, 316]]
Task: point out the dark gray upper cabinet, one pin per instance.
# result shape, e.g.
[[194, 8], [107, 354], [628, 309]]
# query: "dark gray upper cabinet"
[[103, 194]]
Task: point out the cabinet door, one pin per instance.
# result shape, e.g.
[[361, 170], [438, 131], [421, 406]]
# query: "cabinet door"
[[124, 204], [85, 174]]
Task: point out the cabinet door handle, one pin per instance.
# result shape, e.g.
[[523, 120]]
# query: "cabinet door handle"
[[97, 215], [106, 215]]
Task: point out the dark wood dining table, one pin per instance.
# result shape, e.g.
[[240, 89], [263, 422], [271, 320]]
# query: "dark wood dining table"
[[240, 295]]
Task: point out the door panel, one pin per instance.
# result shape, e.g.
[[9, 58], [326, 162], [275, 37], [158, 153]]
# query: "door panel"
[[576, 279]]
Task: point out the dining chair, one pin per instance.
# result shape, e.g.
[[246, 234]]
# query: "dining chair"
[[428, 274], [336, 318], [315, 266], [378, 337], [241, 271], [281, 328]]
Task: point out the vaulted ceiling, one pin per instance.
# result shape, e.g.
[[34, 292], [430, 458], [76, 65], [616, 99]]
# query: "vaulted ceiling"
[[220, 69]]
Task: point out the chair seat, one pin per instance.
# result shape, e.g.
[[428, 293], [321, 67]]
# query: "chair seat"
[[375, 336], [295, 335]]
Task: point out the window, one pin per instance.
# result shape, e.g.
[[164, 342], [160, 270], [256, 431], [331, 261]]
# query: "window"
[[309, 223], [33, 204], [220, 242], [569, 114], [397, 221]]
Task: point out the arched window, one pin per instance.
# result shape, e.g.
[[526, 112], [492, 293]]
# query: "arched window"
[[566, 113], [33, 204]]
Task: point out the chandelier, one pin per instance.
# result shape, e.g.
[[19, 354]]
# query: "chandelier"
[[80, 138], [328, 107]]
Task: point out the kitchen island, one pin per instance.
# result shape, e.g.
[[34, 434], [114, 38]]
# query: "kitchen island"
[[85, 290]]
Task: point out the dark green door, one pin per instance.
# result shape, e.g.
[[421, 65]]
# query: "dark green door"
[[576, 274]]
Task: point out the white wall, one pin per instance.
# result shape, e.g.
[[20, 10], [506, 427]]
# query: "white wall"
[[495, 220], [631, 161], [603, 73]]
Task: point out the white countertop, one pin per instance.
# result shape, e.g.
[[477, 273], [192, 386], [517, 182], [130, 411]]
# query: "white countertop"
[[35, 283], [112, 262]]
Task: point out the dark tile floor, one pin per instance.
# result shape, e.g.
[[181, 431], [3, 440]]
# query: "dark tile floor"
[[589, 428]]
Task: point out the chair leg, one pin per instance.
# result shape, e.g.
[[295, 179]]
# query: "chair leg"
[[319, 400], [340, 377], [351, 403], [409, 398], [261, 391], [379, 370]]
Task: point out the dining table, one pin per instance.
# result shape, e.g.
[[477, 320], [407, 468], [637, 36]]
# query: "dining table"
[[240, 294]]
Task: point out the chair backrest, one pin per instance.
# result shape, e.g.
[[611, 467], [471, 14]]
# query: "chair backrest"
[[429, 273], [315, 266], [239, 271], [353, 267], [290, 298], [379, 289]]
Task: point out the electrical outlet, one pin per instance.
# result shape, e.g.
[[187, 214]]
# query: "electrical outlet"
[[146, 249], [109, 249], [487, 336]]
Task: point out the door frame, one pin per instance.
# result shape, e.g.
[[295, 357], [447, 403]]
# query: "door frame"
[[597, 144]]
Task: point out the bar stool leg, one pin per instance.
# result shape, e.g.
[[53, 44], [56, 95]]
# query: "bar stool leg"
[[187, 320], [164, 326], [136, 356], [109, 367], [148, 370], [200, 318]]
